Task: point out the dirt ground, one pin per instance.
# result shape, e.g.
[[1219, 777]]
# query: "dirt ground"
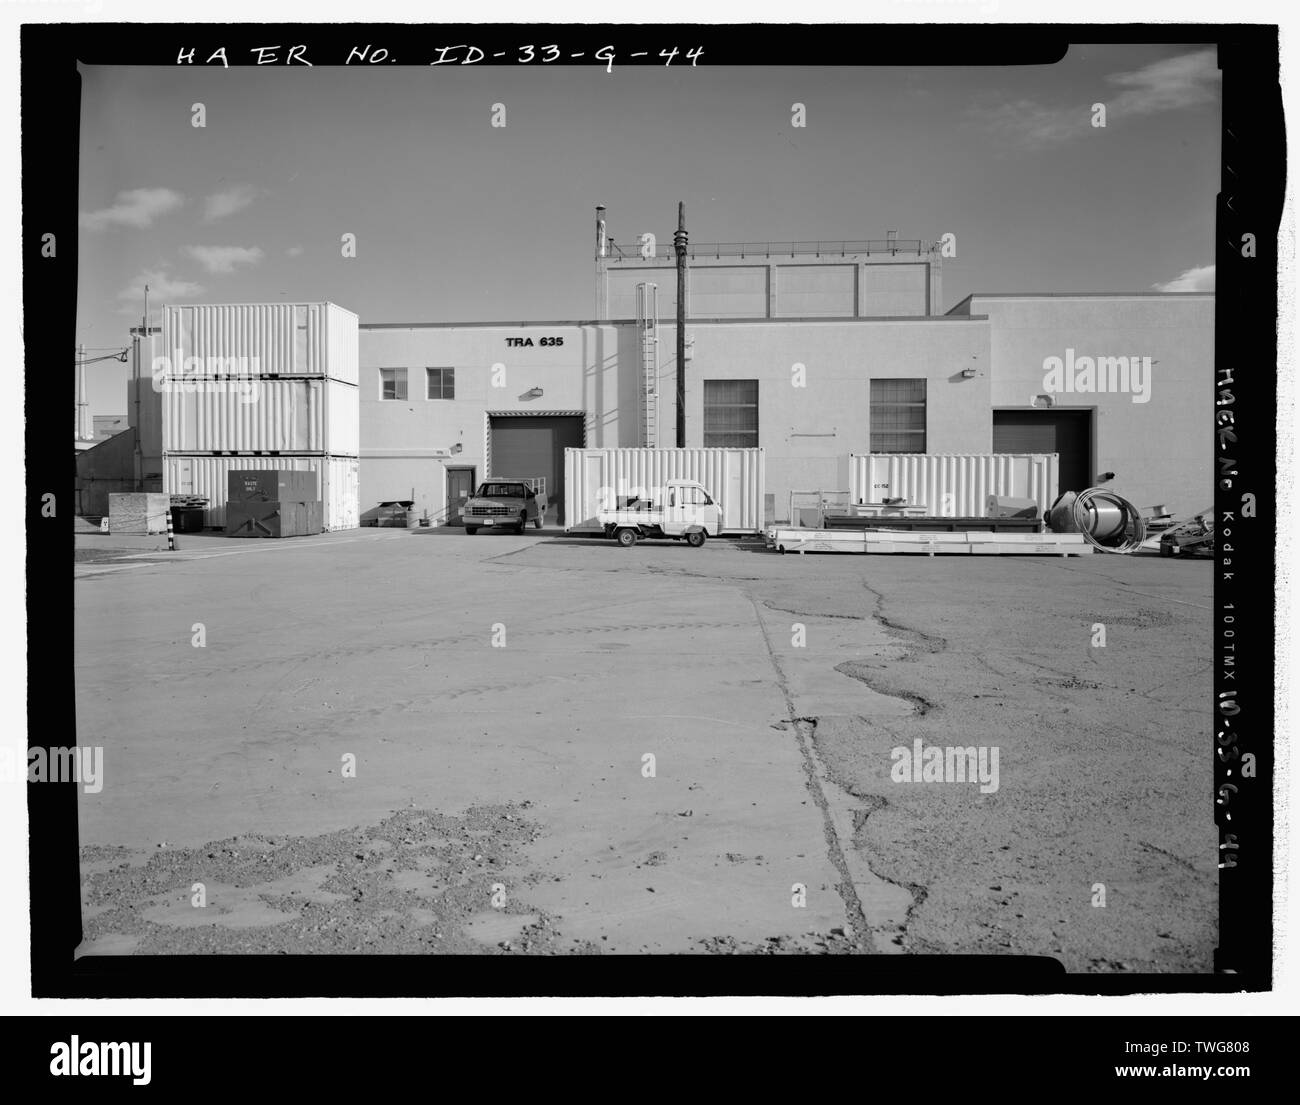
[[558, 746]]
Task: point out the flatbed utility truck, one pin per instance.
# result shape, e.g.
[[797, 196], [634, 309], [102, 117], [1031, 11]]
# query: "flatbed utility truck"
[[685, 511]]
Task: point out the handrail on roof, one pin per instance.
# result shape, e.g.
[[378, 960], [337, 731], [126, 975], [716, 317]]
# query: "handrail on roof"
[[771, 249]]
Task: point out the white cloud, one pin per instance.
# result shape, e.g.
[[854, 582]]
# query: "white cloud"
[[1032, 123], [224, 259], [136, 207], [163, 288], [1188, 80], [1193, 280], [220, 204]]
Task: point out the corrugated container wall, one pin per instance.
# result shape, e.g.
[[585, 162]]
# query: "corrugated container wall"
[[953, 485], [263, 415], [262, 339], [276, 379], [209, 477], [594, 478]]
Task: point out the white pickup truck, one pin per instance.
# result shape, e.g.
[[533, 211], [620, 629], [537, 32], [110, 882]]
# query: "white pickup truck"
[[506, 504], [685, 510]]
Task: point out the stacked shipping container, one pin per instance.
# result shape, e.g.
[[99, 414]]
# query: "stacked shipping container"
[[261, 386]]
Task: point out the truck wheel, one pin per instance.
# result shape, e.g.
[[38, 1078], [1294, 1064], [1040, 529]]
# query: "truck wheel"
[[523, 522], [626, 537], [471, 530], [695, 538]]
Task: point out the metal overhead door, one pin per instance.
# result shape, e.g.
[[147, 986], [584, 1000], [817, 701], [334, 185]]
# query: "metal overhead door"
[[533, 445], [1068, 433]]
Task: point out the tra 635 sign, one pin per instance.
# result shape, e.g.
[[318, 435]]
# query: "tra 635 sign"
[[520, 343]]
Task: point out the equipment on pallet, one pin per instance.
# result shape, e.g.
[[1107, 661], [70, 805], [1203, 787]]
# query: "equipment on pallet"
[[1107, 520], [980, 542], [1192, 537], [926, 522], [1008, 506]]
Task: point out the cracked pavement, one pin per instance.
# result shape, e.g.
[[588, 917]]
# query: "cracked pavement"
[[503, 802]]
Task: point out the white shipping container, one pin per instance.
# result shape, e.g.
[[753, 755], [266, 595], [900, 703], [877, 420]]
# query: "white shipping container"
[[261, 339], [953, 485], [337, 482], [261, 415], [595, 478]]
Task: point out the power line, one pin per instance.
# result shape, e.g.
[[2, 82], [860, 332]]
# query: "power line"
[[120, 355]]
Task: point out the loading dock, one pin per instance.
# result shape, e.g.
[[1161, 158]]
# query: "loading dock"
[[523, 446], [1067, 433]]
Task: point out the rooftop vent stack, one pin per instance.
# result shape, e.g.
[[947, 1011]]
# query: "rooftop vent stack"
[[80, 431], [600, 230]]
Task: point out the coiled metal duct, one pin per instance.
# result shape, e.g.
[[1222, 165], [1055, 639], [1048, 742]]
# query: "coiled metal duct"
[[1108, 521]]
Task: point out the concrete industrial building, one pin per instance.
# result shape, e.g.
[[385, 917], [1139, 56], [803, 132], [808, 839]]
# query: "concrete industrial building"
[[810, 350]]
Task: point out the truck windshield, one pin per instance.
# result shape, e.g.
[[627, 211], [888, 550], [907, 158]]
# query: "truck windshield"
[[503, 490]]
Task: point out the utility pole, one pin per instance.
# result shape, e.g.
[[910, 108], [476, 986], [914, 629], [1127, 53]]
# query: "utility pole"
[[140, 347], [679, 246], [79, 424]]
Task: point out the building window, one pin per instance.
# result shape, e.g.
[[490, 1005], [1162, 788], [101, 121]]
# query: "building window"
[[441, 383], [731, 414], [898, 416], [392, 383]]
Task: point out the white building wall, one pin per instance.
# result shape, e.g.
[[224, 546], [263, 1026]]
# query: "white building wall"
[[406, 445], [1161, 449]]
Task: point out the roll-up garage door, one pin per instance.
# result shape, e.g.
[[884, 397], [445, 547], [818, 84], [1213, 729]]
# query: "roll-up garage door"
[[1068, 433], [533, 445]]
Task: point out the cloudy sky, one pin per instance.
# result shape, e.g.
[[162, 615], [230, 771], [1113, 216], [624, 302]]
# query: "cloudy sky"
[[457, 220]]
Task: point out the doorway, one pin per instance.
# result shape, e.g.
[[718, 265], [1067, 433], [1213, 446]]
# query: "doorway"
[[1066, 433], [460, 486], [524, 446]]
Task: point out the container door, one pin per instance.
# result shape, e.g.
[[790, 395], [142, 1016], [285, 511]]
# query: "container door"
[[733, 495], [595, 494]]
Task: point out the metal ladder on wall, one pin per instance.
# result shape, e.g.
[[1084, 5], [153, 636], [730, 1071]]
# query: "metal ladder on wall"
[[647, 325]]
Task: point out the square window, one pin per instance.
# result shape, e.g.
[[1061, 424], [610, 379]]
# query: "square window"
[[440, 383], [392, 383]]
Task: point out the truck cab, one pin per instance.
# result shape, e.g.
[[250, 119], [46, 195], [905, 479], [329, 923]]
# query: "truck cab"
[[680, 510], [506, 504]]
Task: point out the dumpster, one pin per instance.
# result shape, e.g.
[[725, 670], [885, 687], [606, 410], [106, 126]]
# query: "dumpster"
[[188, 519], [273, 519], [394, 513], [272, 485]]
